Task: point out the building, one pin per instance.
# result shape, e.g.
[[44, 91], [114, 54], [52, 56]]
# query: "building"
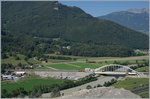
[[7, 77], [20, 73]]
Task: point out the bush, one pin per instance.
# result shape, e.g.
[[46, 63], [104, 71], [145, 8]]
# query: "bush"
[[99, 85], [55, 92], [4, 56], [88, 87], [17, 58], [106, 84]]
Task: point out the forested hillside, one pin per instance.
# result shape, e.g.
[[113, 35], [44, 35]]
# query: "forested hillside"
[[40, 27]]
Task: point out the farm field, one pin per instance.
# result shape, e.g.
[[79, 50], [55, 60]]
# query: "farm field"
[[101, 59], [133, 83], [105, 58], [28, 83], [78, 64], [63, 66], [82, 65], [86, 65], [73, 66]]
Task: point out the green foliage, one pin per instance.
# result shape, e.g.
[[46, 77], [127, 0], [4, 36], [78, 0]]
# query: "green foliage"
[[56, 57], [88, 87], [4, 55], [55, 92], [83, 49], [143, 66], [5, 94], [17, 58], [28, 83], [144, 94], [7, 66], [99, 85], [20, 92], [27, 86], [109, 83], [139, 86], [63, 27], [143, 69]]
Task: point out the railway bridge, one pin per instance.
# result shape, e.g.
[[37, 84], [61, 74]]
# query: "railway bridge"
[[115, 69]]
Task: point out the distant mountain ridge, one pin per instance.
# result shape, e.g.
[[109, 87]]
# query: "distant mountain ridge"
[[54, 20], [134, 10], [137, 19]]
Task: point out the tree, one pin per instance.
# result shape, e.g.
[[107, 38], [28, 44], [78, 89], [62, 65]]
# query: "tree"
[[88, 87], [99, 85], [55, 92], [113, 81], [105, 84], [22, 91], [32, 94], [17, 58], [19, 64], [39, 93], [4, 56], [115, 62], [86, 60], [26, 58], [15, 93], [146, 63], [125, 63], [4, 93], [136, 61]]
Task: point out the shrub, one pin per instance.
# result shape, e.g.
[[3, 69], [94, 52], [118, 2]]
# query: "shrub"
[[55, 92], [99, 85], [88, 87]]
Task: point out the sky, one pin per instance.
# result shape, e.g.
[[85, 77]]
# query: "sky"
[[99, 8]]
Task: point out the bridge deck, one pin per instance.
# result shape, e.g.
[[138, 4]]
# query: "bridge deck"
[[113, 73]]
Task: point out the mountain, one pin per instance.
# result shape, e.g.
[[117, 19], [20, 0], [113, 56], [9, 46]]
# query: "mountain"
[[137, 19], [22, 20], [143, 10]]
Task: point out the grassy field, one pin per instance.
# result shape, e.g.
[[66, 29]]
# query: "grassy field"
[[73, 66], [58, 61], [144, 94], [79, 64], [105, 58], [132, 83], [63, 66], [143, 69], [83, 65], [86, 65], [28, 83]]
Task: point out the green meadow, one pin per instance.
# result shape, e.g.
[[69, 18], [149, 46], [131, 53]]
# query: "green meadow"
[[73, 66], [28, 83], [143, 69], [133, 83]]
